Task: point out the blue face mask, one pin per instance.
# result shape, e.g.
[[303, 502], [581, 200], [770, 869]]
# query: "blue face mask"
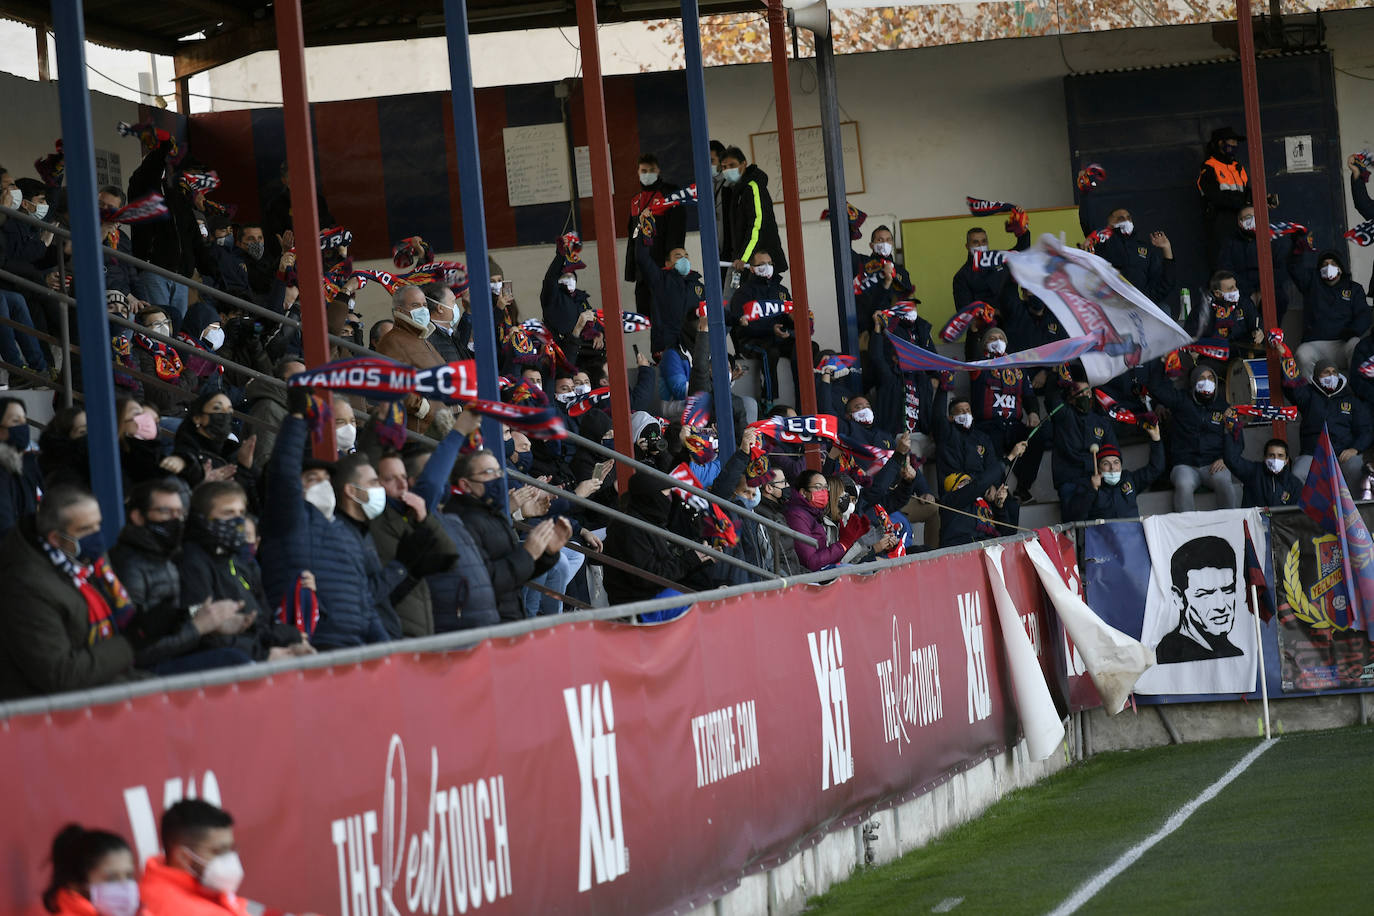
[[19, 437], [731, 175], [682, 266], [90, 548], [750, 502], [494, 492]]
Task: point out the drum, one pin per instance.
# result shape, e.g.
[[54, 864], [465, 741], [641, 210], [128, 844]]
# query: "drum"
[[1247, 382]]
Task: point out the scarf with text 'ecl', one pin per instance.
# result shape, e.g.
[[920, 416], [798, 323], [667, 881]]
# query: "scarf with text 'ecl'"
[[814, 428]]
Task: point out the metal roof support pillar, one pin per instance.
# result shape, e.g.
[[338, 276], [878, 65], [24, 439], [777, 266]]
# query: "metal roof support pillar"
[[834, 179], [603, 218], [791, 193], [721, 407], [474, 216], [1254, 138], [89, 271], [305, 210]]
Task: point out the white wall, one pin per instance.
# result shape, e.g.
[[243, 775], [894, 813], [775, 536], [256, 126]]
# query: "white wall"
[[1351, 37], [32, 122]]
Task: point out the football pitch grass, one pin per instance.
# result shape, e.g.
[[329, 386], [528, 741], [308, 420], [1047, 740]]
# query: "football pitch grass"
[[1290, 834]]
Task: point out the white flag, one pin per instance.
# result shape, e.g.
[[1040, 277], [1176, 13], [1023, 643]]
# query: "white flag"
[[1090, 297], [1114, 660], [1040, 721]]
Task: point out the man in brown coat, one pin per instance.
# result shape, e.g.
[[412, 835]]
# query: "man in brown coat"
[[408, 342]]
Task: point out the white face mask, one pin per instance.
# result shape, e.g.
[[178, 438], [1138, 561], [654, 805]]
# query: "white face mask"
[[1205, 386], [1330, 382], [1111, 478], [648, 178], [569, 281], [1125, 227], [1275, 465], [1330, 271], [964, 419], [495, 287], [580, 390], [223, 873], [763, 270], [731, 175], [115, 898], [882, 249], [863, 415], [1231, 295], [375, 504], [567, 397], [40, 210], [321, 496], [1248, 224], [997, 346], [420, 316], [345, 437], [213, 338], [13, 198]]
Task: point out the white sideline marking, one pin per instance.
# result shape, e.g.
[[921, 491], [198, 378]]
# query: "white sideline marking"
[[949, 903], [1129, 858]]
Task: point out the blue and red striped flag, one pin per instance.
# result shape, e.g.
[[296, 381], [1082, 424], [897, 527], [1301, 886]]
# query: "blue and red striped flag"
[[1326, 500], [911, 357]]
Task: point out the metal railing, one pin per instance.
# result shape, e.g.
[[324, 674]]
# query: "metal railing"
[[202, 288], [449, 642]]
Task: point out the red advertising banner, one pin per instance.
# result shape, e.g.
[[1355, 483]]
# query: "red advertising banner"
[[586, 768]]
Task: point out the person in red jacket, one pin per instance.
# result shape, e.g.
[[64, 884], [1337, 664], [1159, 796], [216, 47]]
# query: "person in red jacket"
[[199, 874], [92, 874]]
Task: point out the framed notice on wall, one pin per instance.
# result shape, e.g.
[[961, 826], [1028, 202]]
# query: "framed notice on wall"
[[536, 164], [810, 160]]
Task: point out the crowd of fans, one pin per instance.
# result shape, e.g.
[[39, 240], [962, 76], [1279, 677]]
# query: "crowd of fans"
[[241, 547]]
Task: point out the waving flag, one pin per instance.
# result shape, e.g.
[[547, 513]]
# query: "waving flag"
[[960, 321], [1090, 298], [1362, 234], [1326, 500], [913, 358], [146, 209]]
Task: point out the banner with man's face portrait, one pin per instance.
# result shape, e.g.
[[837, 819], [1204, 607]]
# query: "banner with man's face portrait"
[[1316, 651], [1197, 616]]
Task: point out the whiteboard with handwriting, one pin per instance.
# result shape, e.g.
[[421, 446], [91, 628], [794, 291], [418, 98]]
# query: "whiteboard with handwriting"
[[810, 160], [536, 164]]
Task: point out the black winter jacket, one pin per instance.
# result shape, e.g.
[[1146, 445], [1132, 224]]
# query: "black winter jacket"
[[1330, 311], [509, 566], [750, 224], [205, 572]]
